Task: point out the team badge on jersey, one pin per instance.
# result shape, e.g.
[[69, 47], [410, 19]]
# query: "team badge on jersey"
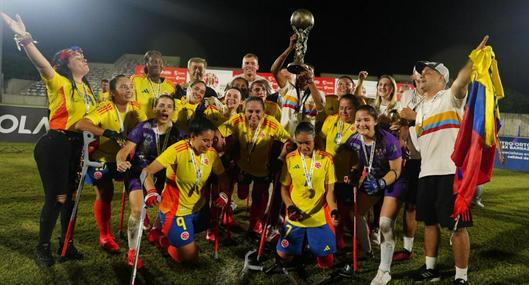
[[327, 248], [205, 161], [317, 165], [184, 235], [284, 243]]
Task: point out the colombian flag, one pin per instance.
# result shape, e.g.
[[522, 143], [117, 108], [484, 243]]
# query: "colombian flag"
[[475, 144]]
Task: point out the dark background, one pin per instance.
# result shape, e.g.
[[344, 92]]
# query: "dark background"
[[348, 36]]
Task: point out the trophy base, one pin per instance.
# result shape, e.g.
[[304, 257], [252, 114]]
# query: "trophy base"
[[296, 68]]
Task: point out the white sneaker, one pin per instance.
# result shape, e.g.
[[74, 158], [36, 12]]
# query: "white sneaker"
[[382, 278]]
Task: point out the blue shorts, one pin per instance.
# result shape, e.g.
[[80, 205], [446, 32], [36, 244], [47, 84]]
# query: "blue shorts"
[[100, 174], [183, 228], [321, 240]]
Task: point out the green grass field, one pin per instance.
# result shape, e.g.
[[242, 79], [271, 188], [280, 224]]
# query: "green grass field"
[[499, 240]]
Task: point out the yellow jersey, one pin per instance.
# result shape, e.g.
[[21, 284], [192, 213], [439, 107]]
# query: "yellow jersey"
[[254, 157], [181, 192], [104, 96], [336, 133], [106, 117], [185, 111], [311, 203], [146, 92], [273, 109], [67, 108]]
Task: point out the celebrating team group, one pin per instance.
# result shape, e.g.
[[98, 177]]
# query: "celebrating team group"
[[186, 149]]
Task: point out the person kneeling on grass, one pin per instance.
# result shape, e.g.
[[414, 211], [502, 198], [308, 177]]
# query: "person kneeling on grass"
[[307, 190], [183, 207]]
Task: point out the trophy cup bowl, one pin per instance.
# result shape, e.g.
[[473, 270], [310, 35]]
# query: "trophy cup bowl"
[[302, 19], [302, 22]]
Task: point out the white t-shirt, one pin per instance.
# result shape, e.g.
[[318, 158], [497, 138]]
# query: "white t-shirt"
[[257, 77], [436, 126], [296, 109], [411, 99]]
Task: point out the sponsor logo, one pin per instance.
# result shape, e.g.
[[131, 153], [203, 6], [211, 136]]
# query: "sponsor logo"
[[284, 243], [327, 248], [184, 235], [296, 166]]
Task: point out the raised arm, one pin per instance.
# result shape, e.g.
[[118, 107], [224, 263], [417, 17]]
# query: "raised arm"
[[362, 75], [460, 85], [25, 40], [278, 63]]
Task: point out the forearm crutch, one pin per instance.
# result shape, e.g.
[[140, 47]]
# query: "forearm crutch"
[[138, 244], [355, 238], [275, 185], [87, 139], [122, 213]]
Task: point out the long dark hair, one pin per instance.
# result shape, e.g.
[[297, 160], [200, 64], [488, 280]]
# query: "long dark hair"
[[379, 138], [60, 64]]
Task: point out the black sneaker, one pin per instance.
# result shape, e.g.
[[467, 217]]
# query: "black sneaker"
[[460, 281], [43, 255], [71, 253], [428, 275]]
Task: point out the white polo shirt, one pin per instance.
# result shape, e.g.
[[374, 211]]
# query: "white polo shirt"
[[436, 126]]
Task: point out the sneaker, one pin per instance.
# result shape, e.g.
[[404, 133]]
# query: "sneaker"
[[153, 237], [382, 278], [402, 255], [43, 255], [109, 244], [131, 255], [460, 281], [429, 275], [71, 253]]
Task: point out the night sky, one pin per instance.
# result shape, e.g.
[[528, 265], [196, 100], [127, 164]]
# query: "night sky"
[[378, 36]]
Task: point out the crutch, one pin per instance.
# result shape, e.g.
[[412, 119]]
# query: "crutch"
[[87, 139], [138, 244], [355, 238], [122, 213]]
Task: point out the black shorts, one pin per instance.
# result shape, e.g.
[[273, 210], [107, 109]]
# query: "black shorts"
[[435, 202], [411, 174], [343, 193]]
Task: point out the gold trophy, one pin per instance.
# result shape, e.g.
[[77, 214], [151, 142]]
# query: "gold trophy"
[[302, 22]]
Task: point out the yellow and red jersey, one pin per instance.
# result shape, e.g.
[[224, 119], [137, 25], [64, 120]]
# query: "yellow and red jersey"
[[146, 92], [104, 96], [185, 111], [67, 108], [180, 192], [106, 117], [343, 156], [311, 204], [255, 161]]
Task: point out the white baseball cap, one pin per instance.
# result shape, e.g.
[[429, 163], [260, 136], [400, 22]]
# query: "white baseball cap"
[[437, 66]]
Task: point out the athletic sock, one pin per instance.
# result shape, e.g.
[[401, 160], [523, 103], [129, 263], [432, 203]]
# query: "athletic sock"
[[132, 231], [387, 246], [461, 273], [408, 243], [98, 215], [431, 262]]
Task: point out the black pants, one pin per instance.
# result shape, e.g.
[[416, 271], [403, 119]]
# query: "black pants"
[[58, 155]]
